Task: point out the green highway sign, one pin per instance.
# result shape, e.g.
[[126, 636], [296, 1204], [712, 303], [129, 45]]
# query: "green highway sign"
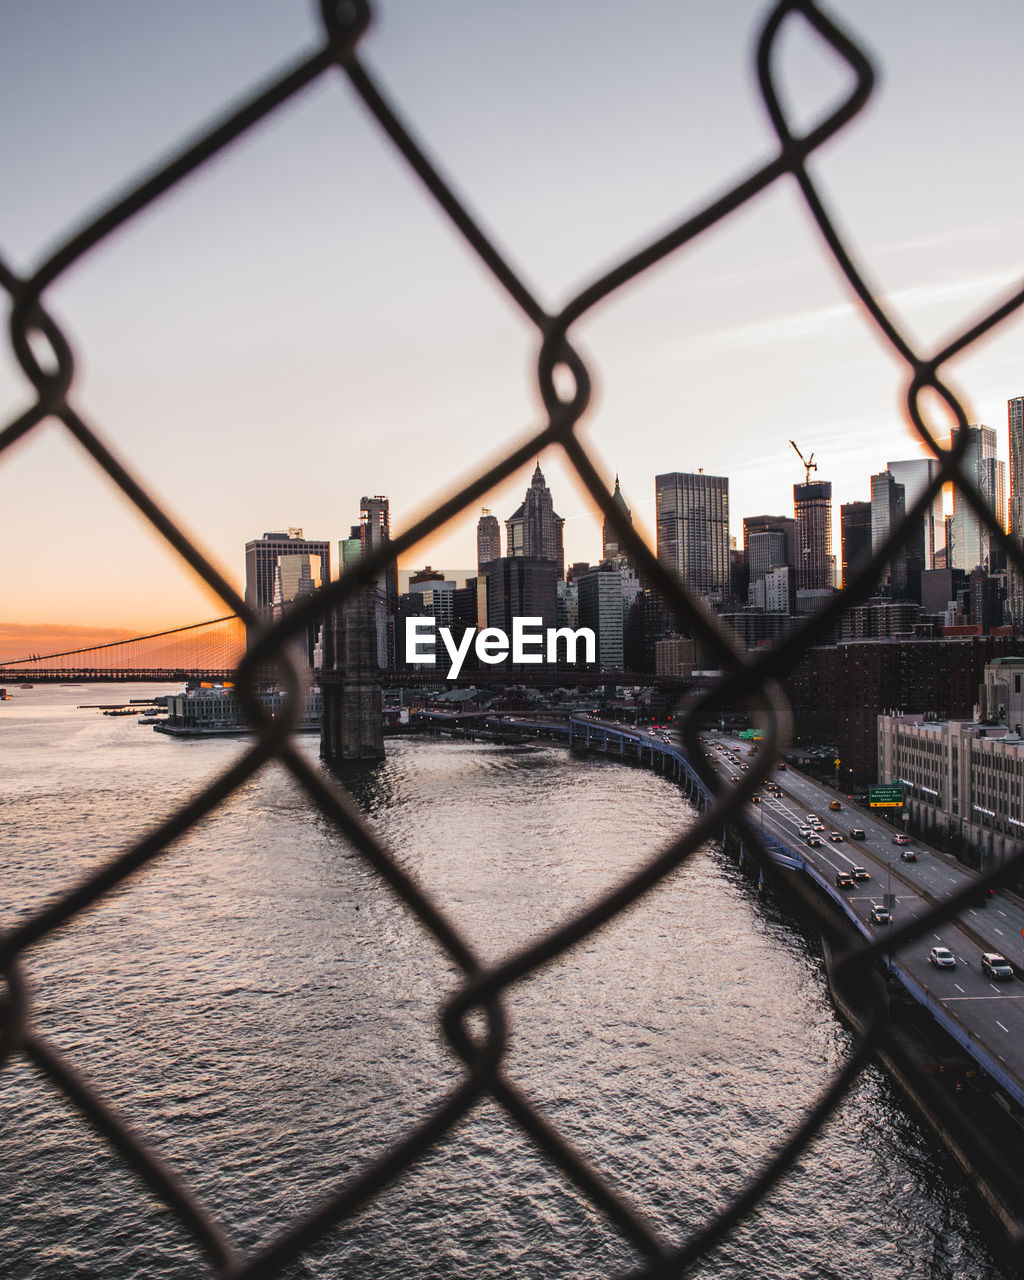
[[750, 735], [890, 797]]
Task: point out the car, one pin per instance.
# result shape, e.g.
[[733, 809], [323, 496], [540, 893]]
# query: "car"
[[942, 958], [755, 798], [996, 966], [908, 855], [857, 834], [835, 837], [806, 831], [860, 873], [881, 915], [901, 839], [815, 841], [735, 778], [782, 766], [844, 880], [834, 805]]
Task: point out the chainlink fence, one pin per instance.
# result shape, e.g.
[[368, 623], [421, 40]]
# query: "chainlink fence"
[[474, 1018]]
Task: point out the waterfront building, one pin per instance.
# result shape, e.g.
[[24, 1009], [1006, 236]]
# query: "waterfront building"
[[815, 565], [207, 710], [692, 514], [534, 529]]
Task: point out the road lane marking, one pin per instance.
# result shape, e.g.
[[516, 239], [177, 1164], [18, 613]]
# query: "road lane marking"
[[998, 930], [959, 988], [1001, 1027], [1001, 912]]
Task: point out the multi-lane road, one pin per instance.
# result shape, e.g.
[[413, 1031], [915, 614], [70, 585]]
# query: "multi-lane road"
[[991, 1012]]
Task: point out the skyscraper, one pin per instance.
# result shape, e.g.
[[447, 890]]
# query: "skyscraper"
[[816, 565], [1015, 416], [283, 567], [609, 538], [915, 474], [693, 529], [888, 508], [971, 539], [855, 531], [534, 529], [785, 525], [488, 538], [375, 534]]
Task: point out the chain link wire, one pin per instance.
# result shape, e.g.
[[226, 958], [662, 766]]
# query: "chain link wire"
[[474, 1019]]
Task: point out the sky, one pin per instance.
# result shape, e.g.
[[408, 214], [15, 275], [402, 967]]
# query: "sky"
[[298, 325]]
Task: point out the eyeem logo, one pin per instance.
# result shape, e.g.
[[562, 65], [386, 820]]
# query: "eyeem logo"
[[529, 643]]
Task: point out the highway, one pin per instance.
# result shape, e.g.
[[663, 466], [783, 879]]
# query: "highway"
[[988, 1015], [991, 1012]]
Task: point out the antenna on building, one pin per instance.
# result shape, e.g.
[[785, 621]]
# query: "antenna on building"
[[809, 463]]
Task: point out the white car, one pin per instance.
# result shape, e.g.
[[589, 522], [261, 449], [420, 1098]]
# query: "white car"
[[942, 958]]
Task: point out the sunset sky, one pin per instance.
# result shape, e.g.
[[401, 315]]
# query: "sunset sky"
[[298, 325]]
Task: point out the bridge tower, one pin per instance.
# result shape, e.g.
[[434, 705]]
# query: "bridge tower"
[[352, 728]]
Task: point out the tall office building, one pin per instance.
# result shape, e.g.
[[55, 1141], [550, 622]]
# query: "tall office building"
[[855, 532], [281, 568], [816, 565], [888, 508], [1015, 417], [374, 535], [773, 524], [971, 539], [600, 607], [488, 538], [534, 529], [766, 550], [693, 529], [521, 587], [609, 538], [915, 474]]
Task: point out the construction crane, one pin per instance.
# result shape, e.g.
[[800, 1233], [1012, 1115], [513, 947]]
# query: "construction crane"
[[809, 463]]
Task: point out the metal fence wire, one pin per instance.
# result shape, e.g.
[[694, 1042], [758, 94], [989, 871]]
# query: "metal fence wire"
[[478, 1002]]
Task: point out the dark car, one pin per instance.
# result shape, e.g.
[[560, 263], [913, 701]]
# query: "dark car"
[[860, 873], [857, 834], [901, 839], [844, 880], [996, 966], [908, 855], [881, 915]]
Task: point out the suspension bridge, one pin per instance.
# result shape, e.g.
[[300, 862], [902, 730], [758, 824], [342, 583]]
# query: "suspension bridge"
[[212, 650], [199, 651]]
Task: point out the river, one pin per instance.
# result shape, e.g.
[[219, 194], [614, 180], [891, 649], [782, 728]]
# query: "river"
[[265, 1012]]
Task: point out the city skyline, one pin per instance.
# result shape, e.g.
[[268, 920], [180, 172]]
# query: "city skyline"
[[253, 399]]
